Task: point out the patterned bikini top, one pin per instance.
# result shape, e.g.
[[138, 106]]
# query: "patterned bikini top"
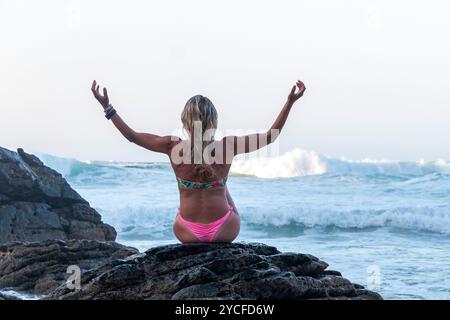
[[202, 185]]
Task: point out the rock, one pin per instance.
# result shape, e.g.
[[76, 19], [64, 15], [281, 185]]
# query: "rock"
[[37, 203], [214, 271], [39, 268], [363, 294], [299, 264]]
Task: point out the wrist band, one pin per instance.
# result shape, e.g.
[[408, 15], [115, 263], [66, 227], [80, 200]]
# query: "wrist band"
[[107, 109], [110, 112]]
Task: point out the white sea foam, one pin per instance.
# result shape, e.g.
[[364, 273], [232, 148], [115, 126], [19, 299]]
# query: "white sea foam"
[[21, 295], [295, 163], [140, 199], [408, 218], [300, 162], [134, 222]]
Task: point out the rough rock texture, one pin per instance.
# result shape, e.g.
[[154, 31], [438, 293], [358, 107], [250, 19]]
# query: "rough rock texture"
[[37, 203], [215, 271], [41, 267]]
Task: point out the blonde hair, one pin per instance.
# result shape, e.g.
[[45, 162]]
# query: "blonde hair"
[[199, 110]]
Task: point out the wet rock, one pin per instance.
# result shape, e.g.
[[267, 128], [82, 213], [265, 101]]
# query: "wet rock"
[[37, 203], [40, 268], [214, 271]]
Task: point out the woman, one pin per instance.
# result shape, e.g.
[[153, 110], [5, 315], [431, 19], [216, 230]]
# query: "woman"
[[201, 164]]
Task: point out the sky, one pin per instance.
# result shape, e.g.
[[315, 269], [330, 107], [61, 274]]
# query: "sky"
[[377, 73]]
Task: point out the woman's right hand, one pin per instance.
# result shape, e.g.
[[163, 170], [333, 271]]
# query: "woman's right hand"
[[103, 99], [294, 96]]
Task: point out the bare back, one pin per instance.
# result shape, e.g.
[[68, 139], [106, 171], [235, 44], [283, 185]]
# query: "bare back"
[[202, 205]]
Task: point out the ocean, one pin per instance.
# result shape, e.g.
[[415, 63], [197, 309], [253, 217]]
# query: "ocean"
[[384, 224]]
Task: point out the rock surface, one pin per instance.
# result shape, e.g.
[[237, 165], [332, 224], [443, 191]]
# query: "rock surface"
[[41, 267], [37, 203], [215, 271]]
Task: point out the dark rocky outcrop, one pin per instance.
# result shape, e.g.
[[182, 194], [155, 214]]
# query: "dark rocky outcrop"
[[37, 203], [41, 267], [215, 271]]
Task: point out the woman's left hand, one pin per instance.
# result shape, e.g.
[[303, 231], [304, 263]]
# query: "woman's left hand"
[[294, 96], [103, 99]]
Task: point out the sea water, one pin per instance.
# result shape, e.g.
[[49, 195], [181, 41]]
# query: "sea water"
[[383, 224]]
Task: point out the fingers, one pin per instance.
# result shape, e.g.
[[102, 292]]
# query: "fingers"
[[94, 85], [292, 90], [301, 87], [96, 91], [294, 96]]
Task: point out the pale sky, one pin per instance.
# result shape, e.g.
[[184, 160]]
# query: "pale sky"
[[377, 73]]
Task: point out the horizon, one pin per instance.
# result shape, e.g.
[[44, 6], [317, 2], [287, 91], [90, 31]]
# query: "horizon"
[[254, 155], [376, 74]]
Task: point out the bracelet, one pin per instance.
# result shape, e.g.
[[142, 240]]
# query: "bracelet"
[[110, 113], [107, 109]]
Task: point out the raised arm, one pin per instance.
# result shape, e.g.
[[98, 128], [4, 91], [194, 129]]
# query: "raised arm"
[[146, 140], [253, 142]]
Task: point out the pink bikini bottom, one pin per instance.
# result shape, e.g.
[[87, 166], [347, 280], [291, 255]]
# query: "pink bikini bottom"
[[205, 232]]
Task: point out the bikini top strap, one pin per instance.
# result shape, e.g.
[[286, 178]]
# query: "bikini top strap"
[[202, 185]]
